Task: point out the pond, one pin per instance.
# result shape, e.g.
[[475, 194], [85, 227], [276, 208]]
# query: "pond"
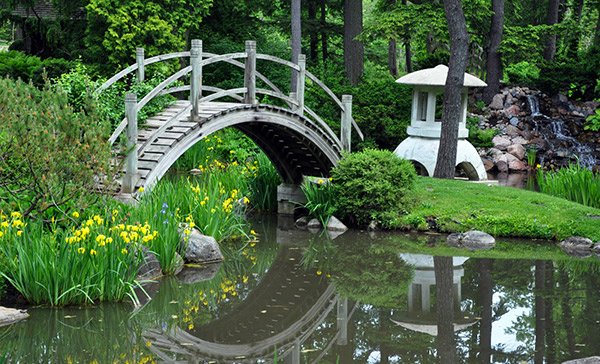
[[297, 297]]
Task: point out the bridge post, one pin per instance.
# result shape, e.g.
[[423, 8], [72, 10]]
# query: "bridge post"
[[196, 80], [342, 321], [250, 72], [346, 126], [293, 96], [131, 162], [300, 83], [139, 59]]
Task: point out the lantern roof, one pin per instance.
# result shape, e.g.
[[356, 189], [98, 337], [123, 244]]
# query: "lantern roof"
[[437, 77]]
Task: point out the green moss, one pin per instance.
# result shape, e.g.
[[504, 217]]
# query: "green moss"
[[456, 206]]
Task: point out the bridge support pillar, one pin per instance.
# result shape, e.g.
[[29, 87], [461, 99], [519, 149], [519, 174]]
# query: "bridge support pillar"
[[139, 59], [288, 198], [196, 80]]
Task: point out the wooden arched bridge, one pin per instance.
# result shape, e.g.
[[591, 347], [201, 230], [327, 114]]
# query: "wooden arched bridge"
[[294, 137]]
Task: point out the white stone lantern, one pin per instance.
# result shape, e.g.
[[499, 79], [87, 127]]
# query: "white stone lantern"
[[425, 128]]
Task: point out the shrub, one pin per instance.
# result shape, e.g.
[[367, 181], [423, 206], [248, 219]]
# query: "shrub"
[[480, 138], [17, 65], [573, 77], [373, 185], [50, 156], [522, 73], [51, 68]]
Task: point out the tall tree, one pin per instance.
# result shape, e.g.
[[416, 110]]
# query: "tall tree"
[[459, 47], [407, 50], [493, 62], [444, 301], [353, 49], [575, 35], [313, 29], [296, 37], [392, 51], [552, 19], [324, 31]]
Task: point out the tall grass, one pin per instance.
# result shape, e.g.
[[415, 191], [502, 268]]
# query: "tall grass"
[[319, 199], [95, 259], [263, 184], [574, 183]]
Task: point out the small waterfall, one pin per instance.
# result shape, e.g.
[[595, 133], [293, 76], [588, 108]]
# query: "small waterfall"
[[534, 105], [583, 152]]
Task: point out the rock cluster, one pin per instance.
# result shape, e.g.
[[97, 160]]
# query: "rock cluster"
[[334, 226], [526, 119]]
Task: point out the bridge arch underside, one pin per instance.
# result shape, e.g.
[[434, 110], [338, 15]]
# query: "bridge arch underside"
[[295, 146]]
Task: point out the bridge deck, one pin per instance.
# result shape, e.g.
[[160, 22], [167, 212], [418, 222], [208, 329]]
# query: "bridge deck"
[[291, 152]]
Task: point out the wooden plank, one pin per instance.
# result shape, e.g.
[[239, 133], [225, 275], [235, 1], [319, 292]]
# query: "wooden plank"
[[150, 157], [156, 149]]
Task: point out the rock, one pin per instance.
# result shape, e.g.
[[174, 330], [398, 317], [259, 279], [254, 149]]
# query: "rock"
[[494, 152], [577, 246], [596, 249], [517, 165], [150, 268], [519, 140], [10, 315], [512, 111], [589, 360], [335, 225], [488, 164], [314, 224], [372, 226], [302, 222], [195, 171], [518, 150], [514, 121], [191, 275], [202, 249], [472, 240], [501, 142], [502, 163], [512, 131], [497, 102]]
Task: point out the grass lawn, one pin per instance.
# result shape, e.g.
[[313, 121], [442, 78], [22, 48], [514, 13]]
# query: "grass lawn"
[[455, 206]]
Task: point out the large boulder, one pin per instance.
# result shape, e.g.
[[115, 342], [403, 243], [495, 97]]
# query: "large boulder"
[[314, 224], [150, 268], [201, 248], [577, 246], [501, 142], [514, 164], [10, 315], [497, 102], [518, 150], [334, 224], [472, 240]]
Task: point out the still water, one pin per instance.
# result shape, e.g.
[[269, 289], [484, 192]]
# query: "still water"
[[296, 297]]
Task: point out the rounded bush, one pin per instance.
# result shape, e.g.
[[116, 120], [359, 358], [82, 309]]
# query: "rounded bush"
[[372, 185]]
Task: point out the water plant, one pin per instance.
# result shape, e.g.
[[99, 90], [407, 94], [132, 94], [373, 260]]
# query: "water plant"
[[574, 183], [320, 199], [531, 156]]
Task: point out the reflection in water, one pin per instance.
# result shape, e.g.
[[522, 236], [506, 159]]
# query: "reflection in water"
[[304, 299]]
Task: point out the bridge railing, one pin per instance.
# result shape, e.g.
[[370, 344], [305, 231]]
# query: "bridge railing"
[[246, 94]]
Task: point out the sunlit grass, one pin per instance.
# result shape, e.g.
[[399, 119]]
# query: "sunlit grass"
[[574, 183]]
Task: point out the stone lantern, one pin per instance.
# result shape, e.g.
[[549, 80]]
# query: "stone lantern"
[[424, 131]]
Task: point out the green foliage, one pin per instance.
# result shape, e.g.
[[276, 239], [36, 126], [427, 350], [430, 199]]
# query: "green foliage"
[[18, 65], [113, 30], [320, 199], [576, 78], [574, 183], [593, 121], [373, 185], [88, 260], [522, 73], [49, 154], [263, 184], [454, 206], [480, 138]]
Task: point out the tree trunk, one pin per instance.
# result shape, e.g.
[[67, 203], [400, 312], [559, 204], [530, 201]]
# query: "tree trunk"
[[486, 292], [575, 34], [459, 46], [353, 49], [550, 49], [549, 318], [444, 300], [312, 19], [407, 50], [323, 31], [540, 310], [296, 38], [392, 60], [567, 313], [493, 62]]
